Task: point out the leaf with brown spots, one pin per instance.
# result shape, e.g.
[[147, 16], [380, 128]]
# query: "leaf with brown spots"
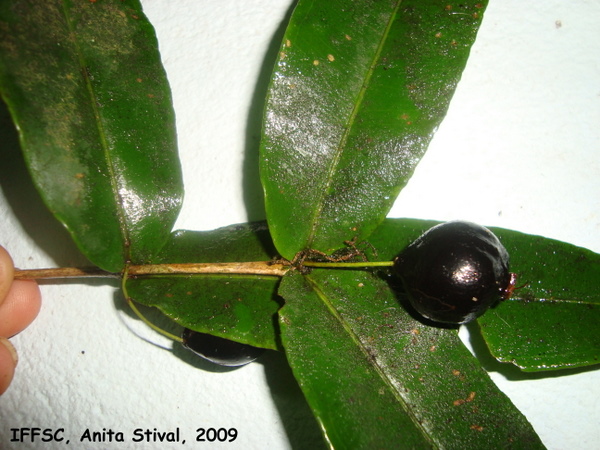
[[86, 88], [356, 95], [377, 378]]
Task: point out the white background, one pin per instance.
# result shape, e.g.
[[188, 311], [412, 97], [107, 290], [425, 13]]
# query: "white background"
[[518, 149]]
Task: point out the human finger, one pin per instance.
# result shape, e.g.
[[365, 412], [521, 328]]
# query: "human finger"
[[21, 305], [8, 362], [6, 273]]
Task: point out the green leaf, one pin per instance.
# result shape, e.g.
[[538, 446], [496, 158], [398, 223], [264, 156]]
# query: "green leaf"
[[242, 308], [376, 378], [357, 93], [87, 90], [549, 322]]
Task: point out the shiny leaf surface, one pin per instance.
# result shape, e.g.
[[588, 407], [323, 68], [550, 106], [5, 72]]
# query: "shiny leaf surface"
[[377, 378], [87, 90], [358, 91], [238, 307], [549, 321]]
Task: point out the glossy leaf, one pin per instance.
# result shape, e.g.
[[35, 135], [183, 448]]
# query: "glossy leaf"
[[238, 307], [550, 322], [358, 90], [377, 378], [87, 90]]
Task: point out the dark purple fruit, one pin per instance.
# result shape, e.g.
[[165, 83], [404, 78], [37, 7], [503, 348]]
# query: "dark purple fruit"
[[454, 272], [219, 350]]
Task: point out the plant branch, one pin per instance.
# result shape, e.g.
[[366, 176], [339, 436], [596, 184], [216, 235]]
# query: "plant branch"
[[63, 272], [265, 268], [234, 268], [243, 268]]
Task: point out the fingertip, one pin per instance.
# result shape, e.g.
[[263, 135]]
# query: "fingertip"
[[20, 308], [28, 293], [6, 272], [8, 362]]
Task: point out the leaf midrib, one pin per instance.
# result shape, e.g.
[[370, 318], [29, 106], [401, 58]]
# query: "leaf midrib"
[[373, 363], [121, 216], [349, 124]]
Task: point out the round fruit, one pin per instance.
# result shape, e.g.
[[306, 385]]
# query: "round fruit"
[[454, 272], [219, 350]]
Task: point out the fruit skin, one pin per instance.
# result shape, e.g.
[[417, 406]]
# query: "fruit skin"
[[454, 272], [219, 350]]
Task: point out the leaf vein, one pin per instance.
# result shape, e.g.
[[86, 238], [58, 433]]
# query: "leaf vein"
[[373, 360], [121, 216], [351, 118]]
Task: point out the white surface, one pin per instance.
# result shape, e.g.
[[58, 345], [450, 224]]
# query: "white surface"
[[518, 149]]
